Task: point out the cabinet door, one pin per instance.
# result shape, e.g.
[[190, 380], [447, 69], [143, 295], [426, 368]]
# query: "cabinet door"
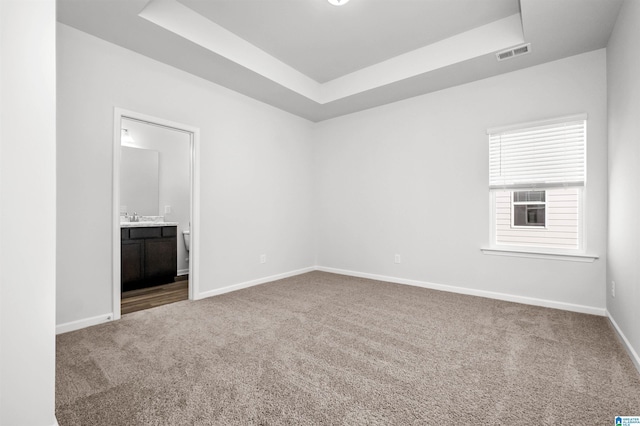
[[161, 258], [131, 263]]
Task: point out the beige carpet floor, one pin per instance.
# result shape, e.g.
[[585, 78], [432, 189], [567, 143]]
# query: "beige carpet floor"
[[331, 350]]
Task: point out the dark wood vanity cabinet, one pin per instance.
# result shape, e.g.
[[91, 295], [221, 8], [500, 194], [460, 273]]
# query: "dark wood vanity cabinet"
[[148, 256]]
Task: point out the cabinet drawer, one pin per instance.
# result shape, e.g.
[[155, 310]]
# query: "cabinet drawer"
[[136, 233], [124, 233], [169, 231]]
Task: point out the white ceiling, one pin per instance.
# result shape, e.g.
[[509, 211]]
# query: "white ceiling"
[[320, 61], [325, 42]]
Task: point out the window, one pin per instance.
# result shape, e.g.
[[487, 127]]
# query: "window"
[[528, 208], [537, 175]]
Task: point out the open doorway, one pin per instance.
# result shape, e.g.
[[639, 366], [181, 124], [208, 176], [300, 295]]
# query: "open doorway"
[[155, 212]]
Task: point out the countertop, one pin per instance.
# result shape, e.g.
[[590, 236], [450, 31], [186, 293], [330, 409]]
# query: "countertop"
[[146, 224]]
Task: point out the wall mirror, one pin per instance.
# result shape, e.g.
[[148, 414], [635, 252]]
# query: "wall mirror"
[[139, 181]]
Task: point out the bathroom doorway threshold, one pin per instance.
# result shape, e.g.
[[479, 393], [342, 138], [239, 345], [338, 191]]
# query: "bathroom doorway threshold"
[[151, 297]]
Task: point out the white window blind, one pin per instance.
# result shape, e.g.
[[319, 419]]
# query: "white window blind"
[[538, 156]]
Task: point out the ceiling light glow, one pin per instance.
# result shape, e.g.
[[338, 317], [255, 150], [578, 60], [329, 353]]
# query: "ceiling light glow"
[[338, 2], [125, 138]]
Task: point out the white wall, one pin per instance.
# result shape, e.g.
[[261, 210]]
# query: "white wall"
[[623, 72], [174, 148], [407, 178], [255, 172], [412, 178], [27, 212]]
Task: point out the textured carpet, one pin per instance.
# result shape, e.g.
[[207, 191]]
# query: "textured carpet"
[[327, 349]]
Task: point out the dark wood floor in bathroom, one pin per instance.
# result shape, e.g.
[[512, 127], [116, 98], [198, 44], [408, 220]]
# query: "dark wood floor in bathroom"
[[145, 298]]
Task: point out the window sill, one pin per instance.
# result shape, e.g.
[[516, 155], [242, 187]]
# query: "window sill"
[[586, 258]]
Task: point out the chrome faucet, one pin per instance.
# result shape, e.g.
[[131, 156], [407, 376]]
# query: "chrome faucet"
[[135, 217]]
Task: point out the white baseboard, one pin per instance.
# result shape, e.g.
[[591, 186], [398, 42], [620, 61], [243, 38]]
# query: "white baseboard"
[[87, 322], [472, 292], [252, 283], [632, 353], [76, 325], [183, 272]]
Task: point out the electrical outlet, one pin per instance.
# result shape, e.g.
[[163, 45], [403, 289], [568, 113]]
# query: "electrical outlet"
[[263, 258], [167, 209], [397, 259], [613, 289]]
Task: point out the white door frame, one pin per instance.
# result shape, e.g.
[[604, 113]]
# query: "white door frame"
[[194, 250]]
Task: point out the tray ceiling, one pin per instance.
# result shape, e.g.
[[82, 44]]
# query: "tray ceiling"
[[320, 61]]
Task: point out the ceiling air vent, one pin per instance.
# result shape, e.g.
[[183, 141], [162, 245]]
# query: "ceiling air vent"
[[513, 52]]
